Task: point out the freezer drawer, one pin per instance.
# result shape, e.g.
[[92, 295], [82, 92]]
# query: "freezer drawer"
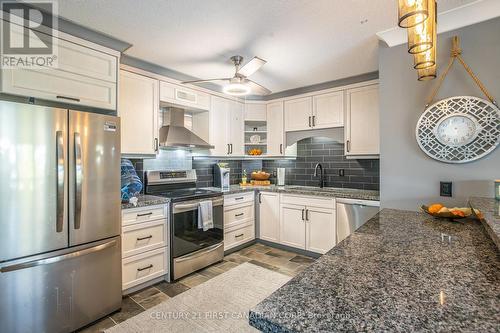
[[61, 291]]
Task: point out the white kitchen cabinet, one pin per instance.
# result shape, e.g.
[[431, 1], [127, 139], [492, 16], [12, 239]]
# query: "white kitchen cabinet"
[[138, 108], [239, 219], [275, 129], [226, 127], [179, 95], [236, 138], [292, 226], [362, 122], [269, 216], [328, 110], [298, 114], [255, 111], [320, 229], [84, 75], [307, 223]]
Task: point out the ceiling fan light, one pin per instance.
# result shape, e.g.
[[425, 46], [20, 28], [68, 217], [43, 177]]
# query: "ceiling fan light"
[[421, 36], [427, 74], [236, 89], [412, 12]]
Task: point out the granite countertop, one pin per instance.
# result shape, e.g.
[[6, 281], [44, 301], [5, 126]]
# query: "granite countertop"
[[491, 210], [146, 200], [400, 272], [308, 190]]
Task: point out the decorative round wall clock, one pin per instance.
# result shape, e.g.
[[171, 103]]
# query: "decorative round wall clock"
[[459, 129]]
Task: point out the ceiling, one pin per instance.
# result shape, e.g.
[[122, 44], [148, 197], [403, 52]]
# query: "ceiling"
[[305, 42]]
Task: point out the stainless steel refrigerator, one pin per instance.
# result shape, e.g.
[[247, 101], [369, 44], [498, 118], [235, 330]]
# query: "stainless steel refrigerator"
[[60, 251]]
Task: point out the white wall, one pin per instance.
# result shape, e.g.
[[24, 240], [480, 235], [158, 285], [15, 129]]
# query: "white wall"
[[408, 177]]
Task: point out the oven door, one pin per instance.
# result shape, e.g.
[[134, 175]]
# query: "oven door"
[[186, 237]]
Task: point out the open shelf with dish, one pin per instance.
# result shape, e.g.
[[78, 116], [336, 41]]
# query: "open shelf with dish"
[[255, 138]]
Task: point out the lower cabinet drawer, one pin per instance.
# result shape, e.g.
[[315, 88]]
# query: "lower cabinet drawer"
[[238, 214], [143, 237], [143, 214], [239, 236], [238, 198], [143, 267]]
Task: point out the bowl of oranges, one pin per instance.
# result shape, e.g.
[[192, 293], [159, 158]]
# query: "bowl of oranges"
[[454, 213]]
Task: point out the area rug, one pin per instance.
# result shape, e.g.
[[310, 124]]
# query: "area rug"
[[219, 305]]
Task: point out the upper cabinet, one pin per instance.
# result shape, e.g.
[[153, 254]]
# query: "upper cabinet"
[[255, 112], [138, 108], [275, 131], [182, 96], [298, 114], [362, 122], [316, 112], [85, 75], [226, 127], [328, 110]]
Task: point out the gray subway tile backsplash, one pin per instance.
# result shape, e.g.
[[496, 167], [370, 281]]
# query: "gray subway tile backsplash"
[[359, 174]]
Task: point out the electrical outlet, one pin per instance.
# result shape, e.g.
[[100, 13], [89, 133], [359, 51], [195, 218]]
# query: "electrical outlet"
[[275, 173], [341, 172], [445, 189]]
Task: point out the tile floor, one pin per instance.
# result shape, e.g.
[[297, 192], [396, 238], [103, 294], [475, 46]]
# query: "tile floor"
[[285, 262]]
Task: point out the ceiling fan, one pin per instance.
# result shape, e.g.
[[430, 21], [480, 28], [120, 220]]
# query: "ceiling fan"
[[239, 84]]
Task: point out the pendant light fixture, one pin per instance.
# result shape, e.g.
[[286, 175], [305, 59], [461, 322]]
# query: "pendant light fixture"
[[412, 12], [427, 74], [420, 36], [428, 58]]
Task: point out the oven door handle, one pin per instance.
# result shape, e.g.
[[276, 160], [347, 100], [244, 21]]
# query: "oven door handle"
[[199, 254], [178, 208]]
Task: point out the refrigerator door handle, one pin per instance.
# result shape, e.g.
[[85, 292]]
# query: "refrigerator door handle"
[[55, 259], [60, 177], [78, 180]]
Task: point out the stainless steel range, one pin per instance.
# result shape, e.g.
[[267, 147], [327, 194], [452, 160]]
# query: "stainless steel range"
[[191, 248]]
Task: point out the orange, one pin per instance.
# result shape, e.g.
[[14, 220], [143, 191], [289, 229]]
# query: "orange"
[[434, 208]]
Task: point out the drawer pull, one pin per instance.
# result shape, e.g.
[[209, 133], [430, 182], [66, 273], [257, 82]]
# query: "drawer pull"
[[68, 98], [143, 238], [144, 268], [238, 236], [145, 214], [239, 198], [240, 214]]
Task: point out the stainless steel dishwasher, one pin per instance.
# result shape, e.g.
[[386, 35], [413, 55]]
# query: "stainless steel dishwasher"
[[352, 214]]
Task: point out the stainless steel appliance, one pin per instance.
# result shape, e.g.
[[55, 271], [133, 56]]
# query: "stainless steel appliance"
[[352, 214], [280, 173], [174, 134], [60, 256], [191, 248], [222, 176]]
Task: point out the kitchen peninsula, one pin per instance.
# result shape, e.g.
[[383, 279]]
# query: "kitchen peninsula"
[[402, 271]]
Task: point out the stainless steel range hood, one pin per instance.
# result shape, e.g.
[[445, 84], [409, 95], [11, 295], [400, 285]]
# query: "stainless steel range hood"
[[176, 135]]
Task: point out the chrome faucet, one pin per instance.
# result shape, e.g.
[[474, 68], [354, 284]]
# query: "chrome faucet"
[[321, 176]]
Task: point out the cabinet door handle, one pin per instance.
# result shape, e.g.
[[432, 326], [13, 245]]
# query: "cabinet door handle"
[[228, 148], [307, 214], [74, 99], [260, 197], [156, 145], [314, 122], [239, 198], [303, 214], [231, 145], [309, 121], [281, 148], [238, 236], [144, 268], [238, 215], [144, 238], [348, 144]]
